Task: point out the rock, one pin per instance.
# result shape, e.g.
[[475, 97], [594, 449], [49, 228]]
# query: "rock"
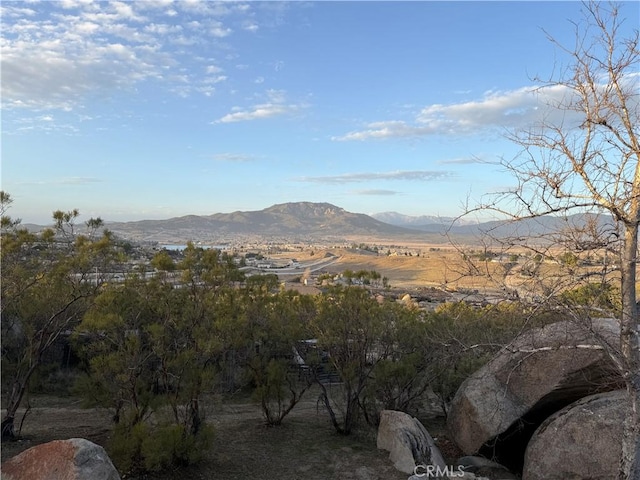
[[496, 410], [583, 440], [73, 459], [481, 466], [407, 441], [452, 475]]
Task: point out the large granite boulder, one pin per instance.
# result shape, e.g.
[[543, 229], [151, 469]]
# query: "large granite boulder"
[[407, 441], [73, 459], [583, 440], [497, 409]]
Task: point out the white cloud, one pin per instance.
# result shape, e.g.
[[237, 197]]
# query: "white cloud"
[[417, 175], [494, 111], [63, 181], [75, 4], [216, 79], [55, 55], [383, 130], [219, 31], [233, 157], [77, 181], [275, 106], [213, 69], [257, 112], [462, 161], [125, 11], [11, 11], [376, 192], [162, 28], [155, 4]]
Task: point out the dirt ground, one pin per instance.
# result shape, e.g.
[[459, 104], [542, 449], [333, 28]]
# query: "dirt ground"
[[304, 446]]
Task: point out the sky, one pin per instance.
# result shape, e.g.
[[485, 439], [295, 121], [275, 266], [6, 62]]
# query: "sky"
[[153, 109]]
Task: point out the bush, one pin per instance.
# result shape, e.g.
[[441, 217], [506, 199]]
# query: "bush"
[[462, 338], [144, 448], [125, 447]]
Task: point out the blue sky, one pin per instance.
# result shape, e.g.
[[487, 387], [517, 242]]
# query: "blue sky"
[[160, 108]]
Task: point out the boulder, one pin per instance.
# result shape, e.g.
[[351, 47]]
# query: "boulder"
[[583, 440], [481, 466], [407, 441], [496, 410], [73, 459], [451, 474]]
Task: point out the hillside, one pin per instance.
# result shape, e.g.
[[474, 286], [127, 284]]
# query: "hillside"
[[299, 221], [309, 222]]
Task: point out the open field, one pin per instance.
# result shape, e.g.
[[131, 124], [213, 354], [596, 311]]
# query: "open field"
[[408, 266], [422, 265], [305, 446]]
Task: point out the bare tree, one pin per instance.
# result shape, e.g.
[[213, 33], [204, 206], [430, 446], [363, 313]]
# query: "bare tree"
[[583, 156]]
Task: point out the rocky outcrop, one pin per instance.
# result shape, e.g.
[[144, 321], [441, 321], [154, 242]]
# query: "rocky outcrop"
[[407, 441], [582, 440], [496, 410], [484, 467], [73, 459]]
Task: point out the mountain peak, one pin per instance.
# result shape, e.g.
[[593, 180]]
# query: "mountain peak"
[[305, 209]]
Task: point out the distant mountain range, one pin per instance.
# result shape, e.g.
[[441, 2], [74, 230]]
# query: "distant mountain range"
[[316, 222], [299, 221], [422, 222]]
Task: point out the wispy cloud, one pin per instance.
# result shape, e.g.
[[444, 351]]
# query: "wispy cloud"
[[414, 175], [462, 161], [77, 181], [385, 130], [376, 192], [56, 55], [63, 181], [275, 106], [233, 157], [500, 110]]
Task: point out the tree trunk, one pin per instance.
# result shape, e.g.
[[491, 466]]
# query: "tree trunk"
[[13, 403], [630, 349]]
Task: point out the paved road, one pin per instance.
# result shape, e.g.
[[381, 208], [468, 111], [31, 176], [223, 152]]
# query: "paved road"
[[300, 269]]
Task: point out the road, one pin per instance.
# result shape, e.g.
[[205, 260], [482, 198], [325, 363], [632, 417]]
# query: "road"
[[312, 266]]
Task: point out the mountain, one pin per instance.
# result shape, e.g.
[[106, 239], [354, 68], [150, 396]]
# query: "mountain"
[[422, 222], [318, 222], [302, 221]]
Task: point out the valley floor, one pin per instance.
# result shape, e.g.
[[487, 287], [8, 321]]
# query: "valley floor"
[[304, 446]]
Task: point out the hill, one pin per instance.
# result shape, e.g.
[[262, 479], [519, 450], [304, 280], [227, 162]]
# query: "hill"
[[298, 221], [421, 222], [308, 222]]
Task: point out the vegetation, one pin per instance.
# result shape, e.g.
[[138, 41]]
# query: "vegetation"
[[48, 281], [274, 329], [159, 341], [583, 156]]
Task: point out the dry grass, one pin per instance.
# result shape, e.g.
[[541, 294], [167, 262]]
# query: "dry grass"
[[441, 267], [305, 446]]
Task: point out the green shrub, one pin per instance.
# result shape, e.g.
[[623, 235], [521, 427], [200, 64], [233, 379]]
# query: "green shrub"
[[145, 448], [125, 446], [172, 445]]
